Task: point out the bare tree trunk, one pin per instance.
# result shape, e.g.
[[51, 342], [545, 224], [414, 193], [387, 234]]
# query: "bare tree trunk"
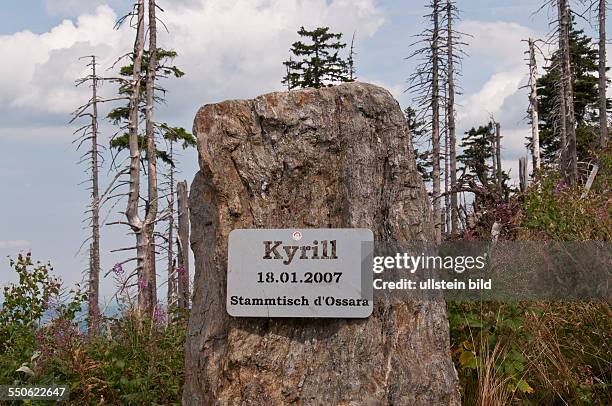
[[562, 108], [171, 262], [183, 245], [533, 107], [603, 82], [94, 255], [351, 60], [568, 96], [523, 174], [435, 119], [132, 215], [498, 169], [152, 207], [451, 119], [447, 209]]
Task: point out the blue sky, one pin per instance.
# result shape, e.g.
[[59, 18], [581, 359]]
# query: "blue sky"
[[228, 49]]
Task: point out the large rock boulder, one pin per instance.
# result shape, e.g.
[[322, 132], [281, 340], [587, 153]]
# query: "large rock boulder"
[[334, 157]]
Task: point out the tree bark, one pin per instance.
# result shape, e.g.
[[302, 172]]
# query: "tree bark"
[[447, 206], [568, 96], [132, 215], [152, 203], [533, 107], [172, 289], [498, 169], [183, 245], [452, 130], [171, 296], [603, 81], [435, 118], [94, 254], [318, 158]]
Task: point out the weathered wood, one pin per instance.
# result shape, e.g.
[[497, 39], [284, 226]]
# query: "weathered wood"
[[533, 108], [498, 169], [149, 272], [603, 81], [523, 174], [131, 213], [452, 128], [590, 180], [332, 157], [183, 245], [435, 118], [570, 166]]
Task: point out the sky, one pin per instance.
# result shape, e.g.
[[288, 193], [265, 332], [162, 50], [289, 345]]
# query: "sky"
[[229, 49]]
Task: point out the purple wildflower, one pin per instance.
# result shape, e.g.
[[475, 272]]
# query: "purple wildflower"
[[118, 269], [159, 315], [560, 186]]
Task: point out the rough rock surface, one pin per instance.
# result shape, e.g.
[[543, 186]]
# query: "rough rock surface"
[[334, 157]]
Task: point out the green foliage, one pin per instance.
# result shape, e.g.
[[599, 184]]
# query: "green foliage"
[[164, 70], [120, 115], [25, 305], [137, 361], [477, 148], [22, 310], [584, 60], [418, 134], [318, 63], [558, 212], [475, 171], [542, 353], [489, 335], [26, 302], [171, 134]]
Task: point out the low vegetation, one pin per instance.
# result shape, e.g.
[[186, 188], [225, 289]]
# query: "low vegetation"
[[133, 361], [551, 353]]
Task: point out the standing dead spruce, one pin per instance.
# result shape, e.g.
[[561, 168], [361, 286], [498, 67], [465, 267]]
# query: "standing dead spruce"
[[333, 157]]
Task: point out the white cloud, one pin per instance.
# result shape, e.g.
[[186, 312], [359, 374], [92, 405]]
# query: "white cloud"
[[11, 244], [497, 42], [497, 47], [228, 49], [477, 107], [44, 66]]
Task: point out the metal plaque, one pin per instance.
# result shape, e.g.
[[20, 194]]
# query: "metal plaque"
[[300, 273]]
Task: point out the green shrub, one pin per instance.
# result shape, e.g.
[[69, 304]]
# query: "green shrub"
[[136, 361]]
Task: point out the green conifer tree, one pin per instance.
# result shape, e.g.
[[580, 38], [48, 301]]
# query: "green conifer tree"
[[316, 62], [584, 63], [418, 135]]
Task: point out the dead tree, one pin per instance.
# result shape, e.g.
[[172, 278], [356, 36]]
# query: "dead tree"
[[498, 169], [89, 133], [351, 60], [571, 161], [435, 108], [134, 220], [523, 174], [171, 296], [450, 107], [425, 84], [447, 187], [149, 273], [603, 81], [533, 108], [183, 246]]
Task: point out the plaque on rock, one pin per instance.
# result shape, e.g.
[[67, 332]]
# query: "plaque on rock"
[[300, 273]]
